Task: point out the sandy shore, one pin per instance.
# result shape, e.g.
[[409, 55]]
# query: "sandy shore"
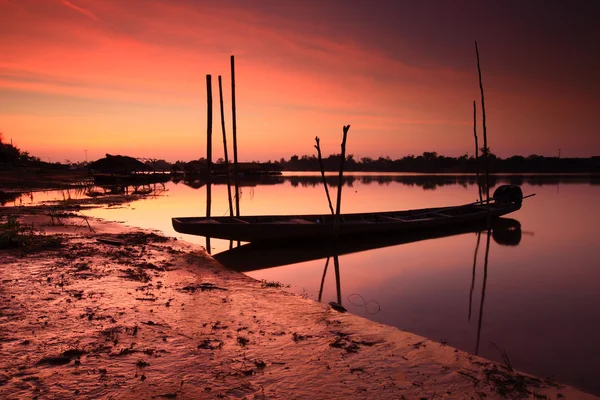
[[123, 313]]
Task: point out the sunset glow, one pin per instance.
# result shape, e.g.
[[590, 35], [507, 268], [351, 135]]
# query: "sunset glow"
[[128, 77]]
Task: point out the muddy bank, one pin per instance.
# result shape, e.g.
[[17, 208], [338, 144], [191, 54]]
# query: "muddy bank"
[[119, 313]]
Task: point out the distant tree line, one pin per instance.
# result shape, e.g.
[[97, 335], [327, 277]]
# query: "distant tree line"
[[431, 162], [13, 156], [428, 162]]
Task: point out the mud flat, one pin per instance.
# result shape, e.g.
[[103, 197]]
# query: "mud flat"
[[124, 313]]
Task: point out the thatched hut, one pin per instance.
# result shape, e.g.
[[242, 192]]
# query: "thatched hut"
[[121, 165]]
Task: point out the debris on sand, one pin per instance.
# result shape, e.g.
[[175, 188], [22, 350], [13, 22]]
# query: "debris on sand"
[[337, 306], [201, 286], [211, 344]]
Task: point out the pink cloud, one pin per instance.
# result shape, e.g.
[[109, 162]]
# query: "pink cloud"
[[292, 79]]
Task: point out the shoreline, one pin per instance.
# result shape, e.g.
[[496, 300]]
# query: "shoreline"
[[138, 315]]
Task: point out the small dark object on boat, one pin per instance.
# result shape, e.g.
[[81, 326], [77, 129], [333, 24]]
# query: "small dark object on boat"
[[508, 194]]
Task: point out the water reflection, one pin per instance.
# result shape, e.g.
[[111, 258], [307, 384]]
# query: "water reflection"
[[432, 182], [258, 256], [541, 300], [249, 181], [473, 276], [29, 198], [372, 307], [296, 180], [253, 257], [425, 181], [154, 189], [485, 271]]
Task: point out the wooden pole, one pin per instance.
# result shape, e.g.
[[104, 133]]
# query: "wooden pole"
[[318, 147], [225, 148], [486, 149], [341, 182], [476, 150], [209, 118], [236, 175]]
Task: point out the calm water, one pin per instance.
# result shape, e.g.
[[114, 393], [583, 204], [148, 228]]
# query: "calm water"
[[541, 301]]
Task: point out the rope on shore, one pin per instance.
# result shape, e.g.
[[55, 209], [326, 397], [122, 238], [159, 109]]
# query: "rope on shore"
[[372, 307]]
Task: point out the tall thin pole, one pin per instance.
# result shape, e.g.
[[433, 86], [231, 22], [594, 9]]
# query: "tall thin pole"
[[485, 144], [476, 149], [236, 175], [209, 118], [318, 147], [225, 148], [341, 182]]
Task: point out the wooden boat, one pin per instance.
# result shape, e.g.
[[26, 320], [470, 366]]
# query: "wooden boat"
[[263, 255], [286, 227]]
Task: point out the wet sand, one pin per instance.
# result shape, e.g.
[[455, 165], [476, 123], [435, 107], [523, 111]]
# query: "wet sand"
[[124, 313]]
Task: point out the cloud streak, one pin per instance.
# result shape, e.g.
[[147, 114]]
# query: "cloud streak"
[[81, 10]]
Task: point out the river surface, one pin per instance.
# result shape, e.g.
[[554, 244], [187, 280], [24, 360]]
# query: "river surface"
[[538, 300]]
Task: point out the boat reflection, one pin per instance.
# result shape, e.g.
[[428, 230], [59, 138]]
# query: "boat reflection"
[[263, 255]]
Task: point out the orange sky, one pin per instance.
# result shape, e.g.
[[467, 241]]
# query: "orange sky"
[[128, 77]]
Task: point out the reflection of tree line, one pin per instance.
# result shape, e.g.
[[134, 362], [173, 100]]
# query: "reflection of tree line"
[[431, 182], [427, 182], [77, 192]]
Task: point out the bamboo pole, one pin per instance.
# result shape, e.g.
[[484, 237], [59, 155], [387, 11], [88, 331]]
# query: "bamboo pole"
[[209, 118], [476, 150], [341, 182], [318, 147], [236, 175], [225, 148], [486, 149]]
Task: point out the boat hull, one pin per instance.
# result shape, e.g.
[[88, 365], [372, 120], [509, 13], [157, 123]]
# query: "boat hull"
[[284, 228]]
